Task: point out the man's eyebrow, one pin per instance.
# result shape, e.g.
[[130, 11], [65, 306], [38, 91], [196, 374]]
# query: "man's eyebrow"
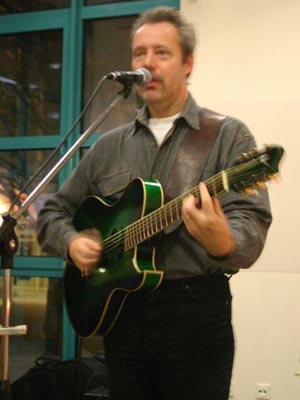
[[138, 48], [156, 46]]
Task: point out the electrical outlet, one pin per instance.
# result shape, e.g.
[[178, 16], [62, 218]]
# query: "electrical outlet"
[[263, 391], [231, 391]]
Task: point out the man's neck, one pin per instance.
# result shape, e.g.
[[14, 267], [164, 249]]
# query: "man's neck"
[[166, 110]]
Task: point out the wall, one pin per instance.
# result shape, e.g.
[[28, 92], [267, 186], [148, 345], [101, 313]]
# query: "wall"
[[248, 66]]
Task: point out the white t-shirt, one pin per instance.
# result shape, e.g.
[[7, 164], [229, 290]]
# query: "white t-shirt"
[[161, 126]]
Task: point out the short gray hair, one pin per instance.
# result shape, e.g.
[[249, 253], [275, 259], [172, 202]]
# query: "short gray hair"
[[167, 14]]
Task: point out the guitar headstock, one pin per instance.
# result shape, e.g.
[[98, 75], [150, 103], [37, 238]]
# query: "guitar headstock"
[[254, 168]]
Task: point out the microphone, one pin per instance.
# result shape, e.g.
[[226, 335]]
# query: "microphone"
[[141, 76]]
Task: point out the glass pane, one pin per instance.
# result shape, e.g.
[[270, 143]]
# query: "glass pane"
[[30, 83], [37, 303], [107, 48], [16, 168], [17, 6]]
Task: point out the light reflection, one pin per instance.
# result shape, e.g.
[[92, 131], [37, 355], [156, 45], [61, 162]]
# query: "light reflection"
[[55, 65], [4, 206], [53, 115], [7, 80]]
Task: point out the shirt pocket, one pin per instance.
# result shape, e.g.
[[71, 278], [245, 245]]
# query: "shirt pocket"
[[113, 185]]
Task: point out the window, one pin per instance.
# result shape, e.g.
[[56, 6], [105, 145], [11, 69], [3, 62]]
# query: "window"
[[30, 83]]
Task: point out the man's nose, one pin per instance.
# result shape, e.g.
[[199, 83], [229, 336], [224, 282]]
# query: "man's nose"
[[149, 61]]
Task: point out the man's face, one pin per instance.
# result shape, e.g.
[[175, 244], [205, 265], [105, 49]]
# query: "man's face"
[[157, 48]]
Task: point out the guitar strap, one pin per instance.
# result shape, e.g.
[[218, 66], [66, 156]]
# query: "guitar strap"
[[193, 154]]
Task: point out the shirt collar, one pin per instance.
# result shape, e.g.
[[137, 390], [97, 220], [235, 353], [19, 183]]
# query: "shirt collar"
[[190, 114]]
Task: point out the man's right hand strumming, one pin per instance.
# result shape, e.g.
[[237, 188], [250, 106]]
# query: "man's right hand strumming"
[[85, 251]]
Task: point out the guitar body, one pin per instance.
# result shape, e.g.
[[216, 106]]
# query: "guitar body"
[[94, 302]]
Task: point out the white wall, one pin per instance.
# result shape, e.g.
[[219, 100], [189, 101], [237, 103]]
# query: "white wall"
[[248, 66]]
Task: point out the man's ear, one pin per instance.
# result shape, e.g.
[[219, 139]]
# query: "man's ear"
[[189, 63]]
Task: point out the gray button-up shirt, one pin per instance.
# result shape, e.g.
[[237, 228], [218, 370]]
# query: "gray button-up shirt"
[[131, 151]]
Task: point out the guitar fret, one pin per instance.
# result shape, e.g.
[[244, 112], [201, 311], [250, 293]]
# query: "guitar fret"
[[166, 218], [128, 238], [160, 220], [133, 237], [179, 208], [140, 237], [144, 230], [148, 234], [152, 228], [171, 215], [157, 226]]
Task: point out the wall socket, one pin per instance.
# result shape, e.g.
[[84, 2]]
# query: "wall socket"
[[263, 391], [231, 391]]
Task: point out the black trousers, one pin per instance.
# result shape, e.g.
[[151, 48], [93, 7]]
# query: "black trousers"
[[173, 343]]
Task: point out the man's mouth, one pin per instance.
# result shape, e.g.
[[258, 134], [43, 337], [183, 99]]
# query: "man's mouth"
[[154, 82]]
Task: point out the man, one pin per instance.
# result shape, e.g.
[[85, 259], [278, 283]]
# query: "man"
[[175, 342]]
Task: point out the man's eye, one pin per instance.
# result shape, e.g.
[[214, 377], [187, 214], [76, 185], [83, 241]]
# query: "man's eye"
[[162, 53], [138, 54]]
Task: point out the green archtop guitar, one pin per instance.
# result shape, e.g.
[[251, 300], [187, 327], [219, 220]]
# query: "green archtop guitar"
[[128, 261]]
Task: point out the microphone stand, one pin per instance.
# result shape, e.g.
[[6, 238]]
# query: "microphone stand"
[[9, 240]]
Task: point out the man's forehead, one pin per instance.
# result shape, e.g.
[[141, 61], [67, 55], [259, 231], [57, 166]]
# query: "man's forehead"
[[162, 31]]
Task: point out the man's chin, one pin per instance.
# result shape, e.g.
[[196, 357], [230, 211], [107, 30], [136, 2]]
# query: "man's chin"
[[150, 96]]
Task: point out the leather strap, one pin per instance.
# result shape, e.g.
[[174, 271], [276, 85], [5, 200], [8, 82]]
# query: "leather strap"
[[193, 154]]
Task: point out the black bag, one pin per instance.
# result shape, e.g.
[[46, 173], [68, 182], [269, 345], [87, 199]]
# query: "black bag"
[[51, 379]]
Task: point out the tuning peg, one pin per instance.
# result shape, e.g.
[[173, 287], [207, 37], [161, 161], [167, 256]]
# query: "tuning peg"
[[273, 177], [261, 184], [249, 191]]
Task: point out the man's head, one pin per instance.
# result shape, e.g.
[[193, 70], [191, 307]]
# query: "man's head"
[[163, 42], [184, 28]]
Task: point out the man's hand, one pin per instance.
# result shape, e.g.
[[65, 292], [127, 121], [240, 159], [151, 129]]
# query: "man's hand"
[[85, 251], [208, 224]]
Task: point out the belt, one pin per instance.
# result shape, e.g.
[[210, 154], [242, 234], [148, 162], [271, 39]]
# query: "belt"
[[180, 275]]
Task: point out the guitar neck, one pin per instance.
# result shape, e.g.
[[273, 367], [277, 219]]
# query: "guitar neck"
[[158, 220]]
